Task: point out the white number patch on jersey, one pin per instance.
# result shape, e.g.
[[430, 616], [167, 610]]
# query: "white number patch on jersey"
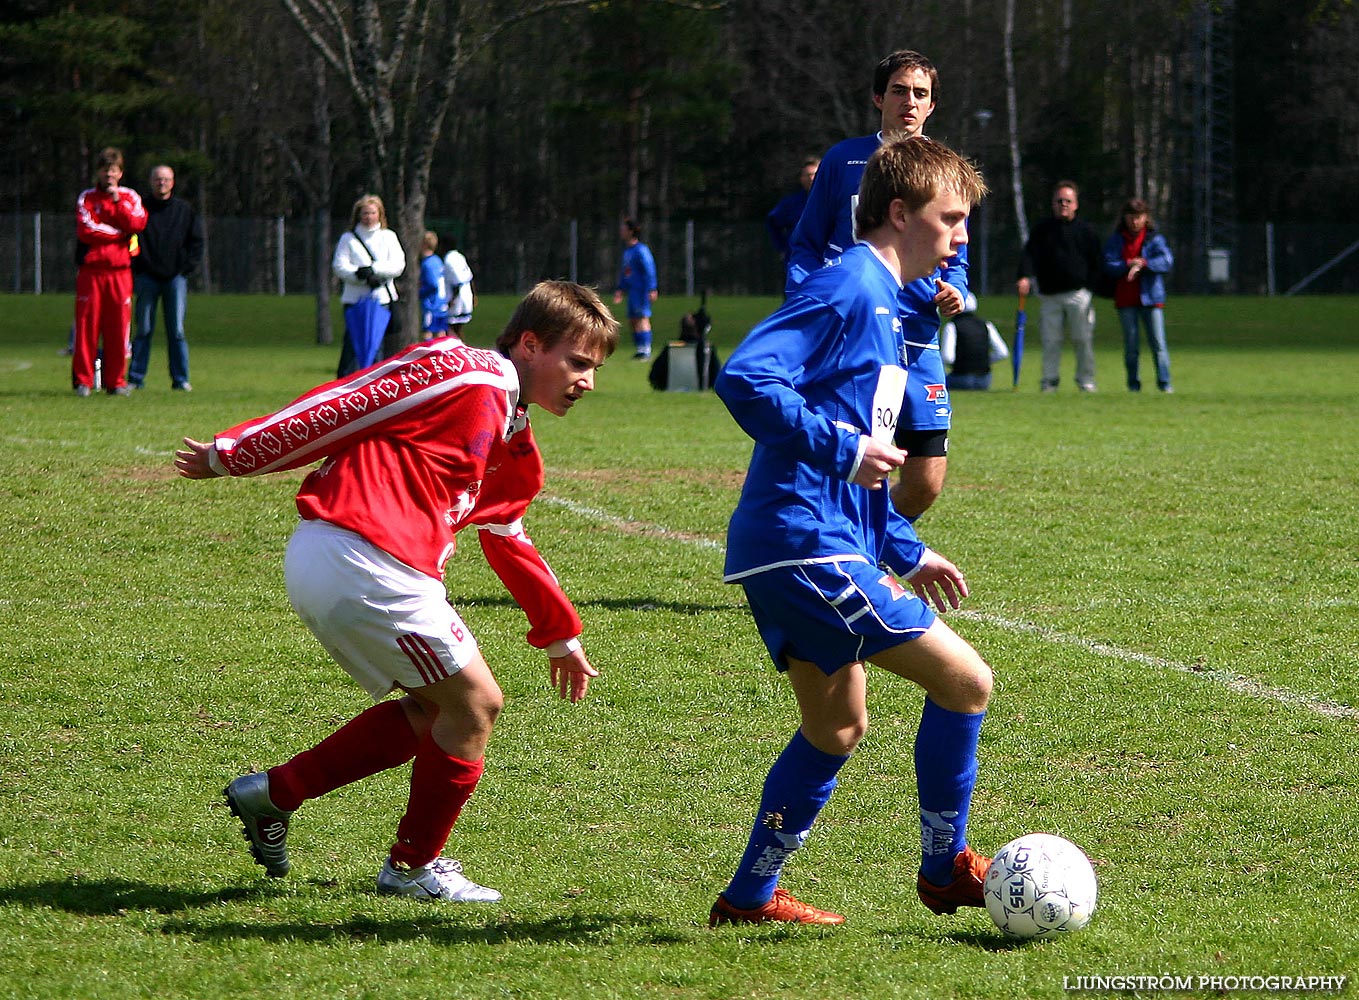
[[887, 400]]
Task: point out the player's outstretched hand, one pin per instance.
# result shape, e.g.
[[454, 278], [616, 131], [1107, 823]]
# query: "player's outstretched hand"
[[571, 674], [947, 299], [192, 460], [877, 464], [939, 582]]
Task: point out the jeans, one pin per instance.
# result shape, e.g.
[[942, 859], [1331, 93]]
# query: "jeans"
[[171, 294], [968, 383], [1154, 321]]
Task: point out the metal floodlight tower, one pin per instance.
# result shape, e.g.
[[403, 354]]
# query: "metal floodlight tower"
[[1212, 144]]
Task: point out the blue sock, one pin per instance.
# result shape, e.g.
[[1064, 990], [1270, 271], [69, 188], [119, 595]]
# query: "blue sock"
[[642, 338], [798, 785], [945, 771]]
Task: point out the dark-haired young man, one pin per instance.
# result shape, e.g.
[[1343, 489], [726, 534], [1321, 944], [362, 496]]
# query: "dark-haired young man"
[[905, 86]]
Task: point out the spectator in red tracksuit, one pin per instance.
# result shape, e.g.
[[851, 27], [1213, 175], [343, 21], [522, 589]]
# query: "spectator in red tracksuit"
[[108, 219], [417, 448]]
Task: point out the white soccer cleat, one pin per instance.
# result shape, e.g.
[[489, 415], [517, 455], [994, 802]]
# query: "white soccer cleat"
[[442, 878]]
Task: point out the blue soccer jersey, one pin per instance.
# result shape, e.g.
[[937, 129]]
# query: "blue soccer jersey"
[[809, 383], [826, 230], [433, 294], [637, 278]]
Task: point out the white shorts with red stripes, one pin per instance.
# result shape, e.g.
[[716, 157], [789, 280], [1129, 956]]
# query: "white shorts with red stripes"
[[388, 625]]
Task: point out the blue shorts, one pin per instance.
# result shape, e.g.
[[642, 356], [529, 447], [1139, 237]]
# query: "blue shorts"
[[833, 613], [639, 305], [927, 406]]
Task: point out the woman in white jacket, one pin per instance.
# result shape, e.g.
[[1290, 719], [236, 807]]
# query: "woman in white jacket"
[[367, 260]]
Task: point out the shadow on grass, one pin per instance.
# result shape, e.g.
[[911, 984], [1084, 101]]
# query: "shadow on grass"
[[441, 924], [638, 603], [435, 924], [114, 896], [983, 940]]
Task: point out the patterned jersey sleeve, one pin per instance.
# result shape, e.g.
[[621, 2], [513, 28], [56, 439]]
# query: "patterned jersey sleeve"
[[341, 413]]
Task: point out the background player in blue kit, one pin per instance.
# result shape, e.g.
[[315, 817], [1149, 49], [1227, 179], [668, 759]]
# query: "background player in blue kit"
[[905, 85], [433, 289], [783, 217], [637, 281], [815, 540]]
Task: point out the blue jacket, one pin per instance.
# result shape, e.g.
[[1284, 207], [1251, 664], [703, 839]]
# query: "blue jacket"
[[782, 220], [1152, 279]]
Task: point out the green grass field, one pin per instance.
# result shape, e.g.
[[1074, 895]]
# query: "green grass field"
[[1166, 586]]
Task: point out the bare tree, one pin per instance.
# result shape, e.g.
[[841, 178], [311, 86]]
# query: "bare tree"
[[1012, 123], [316, 181], [402, 62], [402, 72]]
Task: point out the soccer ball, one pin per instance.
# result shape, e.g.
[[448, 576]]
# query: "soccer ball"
[[1038, 886]]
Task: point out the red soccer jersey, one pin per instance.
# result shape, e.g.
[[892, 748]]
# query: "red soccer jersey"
[[417, 447]]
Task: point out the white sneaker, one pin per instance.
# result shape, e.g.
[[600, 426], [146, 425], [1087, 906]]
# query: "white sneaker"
[[442, 878]]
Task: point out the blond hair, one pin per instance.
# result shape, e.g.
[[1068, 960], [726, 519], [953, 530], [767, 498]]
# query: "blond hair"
[[367, 199], [915, 170]]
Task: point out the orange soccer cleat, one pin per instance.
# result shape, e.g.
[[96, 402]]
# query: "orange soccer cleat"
[[784, 907], [969, 870]]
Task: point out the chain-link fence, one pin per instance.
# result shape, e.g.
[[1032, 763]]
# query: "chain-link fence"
[[287, 256]]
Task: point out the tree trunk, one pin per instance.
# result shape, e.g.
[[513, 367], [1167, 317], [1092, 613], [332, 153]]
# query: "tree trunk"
[[324, 244], [325, 181], [1012, 123]]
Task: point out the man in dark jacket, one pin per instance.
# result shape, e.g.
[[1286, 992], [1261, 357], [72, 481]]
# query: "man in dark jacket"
[[1066, 256], [171, 248], [782, 218]]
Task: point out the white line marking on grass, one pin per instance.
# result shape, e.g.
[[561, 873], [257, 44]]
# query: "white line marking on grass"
[[40, 442], [634, 527], [1230, 679]]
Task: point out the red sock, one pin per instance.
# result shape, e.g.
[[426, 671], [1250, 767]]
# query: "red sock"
[[374, 741], [440, 787]]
